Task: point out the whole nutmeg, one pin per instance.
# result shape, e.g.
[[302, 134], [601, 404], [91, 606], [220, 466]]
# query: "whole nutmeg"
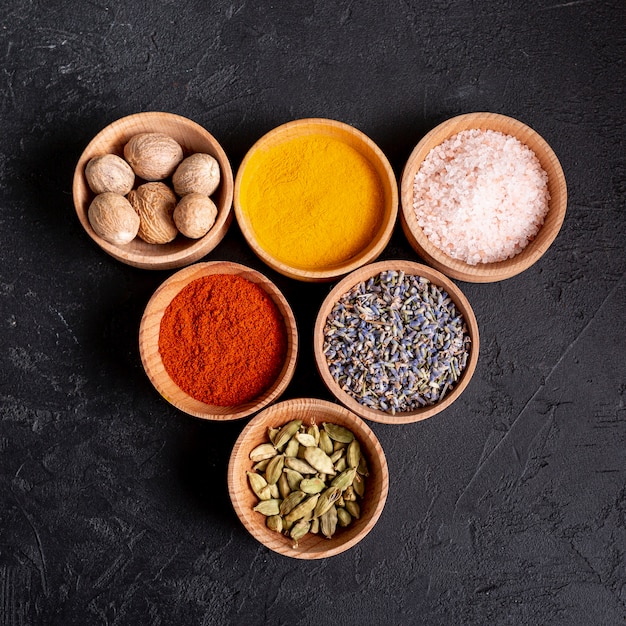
[[113, 218], [154, 204], [153, 156], [109, 172], [194, 215], [198, 173]]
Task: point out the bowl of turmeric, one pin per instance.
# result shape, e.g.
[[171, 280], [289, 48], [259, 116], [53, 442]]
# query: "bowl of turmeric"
[[218, 340], [316, 199]]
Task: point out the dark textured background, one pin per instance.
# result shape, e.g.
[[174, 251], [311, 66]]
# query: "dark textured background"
[[508, 508]]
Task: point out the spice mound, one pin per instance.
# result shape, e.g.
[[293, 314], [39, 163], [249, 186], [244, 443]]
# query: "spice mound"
[[396, 342], [223, 340], [308, 479], [313, 202], [481, 196]]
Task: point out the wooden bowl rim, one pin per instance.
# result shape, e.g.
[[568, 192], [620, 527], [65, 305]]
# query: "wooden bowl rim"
[[195, 248], [313, 546], [335, 128], [486, 272], [412, 268], [149, 329]]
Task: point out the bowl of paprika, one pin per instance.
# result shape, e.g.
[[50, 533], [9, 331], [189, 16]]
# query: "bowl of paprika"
[[218, 340], [315, 199]]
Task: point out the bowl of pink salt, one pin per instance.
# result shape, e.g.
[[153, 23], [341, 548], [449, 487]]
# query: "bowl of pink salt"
[[483, 197], [315, 199]]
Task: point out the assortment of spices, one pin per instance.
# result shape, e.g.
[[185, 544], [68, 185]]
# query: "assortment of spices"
[[223, 340], [396, 342], [158, 160], [481, 196], [313, 201], [308, 479]]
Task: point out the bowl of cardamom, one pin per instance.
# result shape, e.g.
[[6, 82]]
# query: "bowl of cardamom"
[[315, 199], [396, 342], [218, 340], [154, 190], [308, 478]]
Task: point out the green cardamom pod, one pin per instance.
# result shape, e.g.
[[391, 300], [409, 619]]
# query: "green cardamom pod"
[[325, 442], [300, 465], [328, 522], [343, 517], [314, 431], [344, 480], [312, 485], [257, 484], [292, 447], [362, 467], [283, 485], [341, 464], [315, 525], [303, 509], [349, 495], [274, 469], [338, 433], [305, 440], [353, 508], [286, 433], [261, 465], [263, 451], [359, 485], [299, 530], [268, 507], [318, 459], [337, 454], [275, 523], [293, 478], [326, 500], [353, 455], [291, 501]]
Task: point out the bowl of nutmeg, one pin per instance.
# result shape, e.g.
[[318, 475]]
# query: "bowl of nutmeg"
[[154, 190]]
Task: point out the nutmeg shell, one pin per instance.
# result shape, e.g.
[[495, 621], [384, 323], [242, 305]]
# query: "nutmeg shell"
[[109, 172], [113, 218], [198, 173], [194, 215], [154, 203], [153, 156]]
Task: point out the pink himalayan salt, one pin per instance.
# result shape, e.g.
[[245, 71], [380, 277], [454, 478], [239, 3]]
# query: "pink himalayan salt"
[[481, 196]]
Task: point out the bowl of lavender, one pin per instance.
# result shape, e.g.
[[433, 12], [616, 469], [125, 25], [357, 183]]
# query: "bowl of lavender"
[[483, 197], [396, 342]]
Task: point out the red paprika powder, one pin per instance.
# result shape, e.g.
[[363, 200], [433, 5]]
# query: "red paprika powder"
[[223, 340]]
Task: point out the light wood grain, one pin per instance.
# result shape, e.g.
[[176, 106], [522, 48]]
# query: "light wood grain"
[[415, 269], [309, 410], [353, 138], [485, 272], [149, 342], [193, 138]]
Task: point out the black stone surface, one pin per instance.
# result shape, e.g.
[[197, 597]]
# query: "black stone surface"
[[508, 508]]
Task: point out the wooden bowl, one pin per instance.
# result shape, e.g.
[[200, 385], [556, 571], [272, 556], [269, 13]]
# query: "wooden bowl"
[[309, 410], [149, 342], [409, 268], [484, 272], [315, 127], [193, 138]]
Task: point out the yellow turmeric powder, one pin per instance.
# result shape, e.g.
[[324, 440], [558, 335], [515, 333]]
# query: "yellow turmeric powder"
[[313, 202]]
